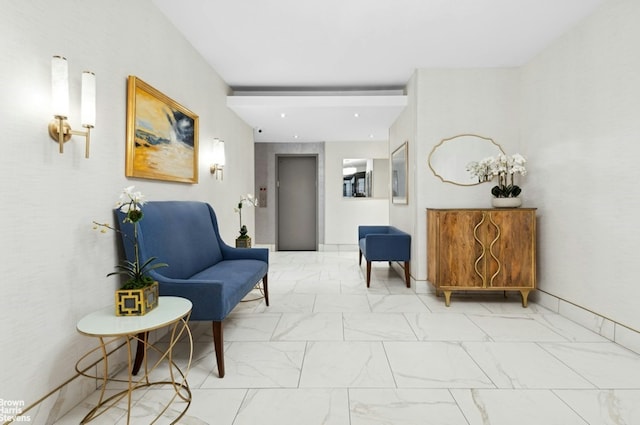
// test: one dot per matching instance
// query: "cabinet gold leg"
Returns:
(525, 294)
(447, 298)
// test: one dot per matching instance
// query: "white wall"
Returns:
(404, 129)
(344, 215)
(53, 263)
(581, 127)
(445, 103)
(573, 112)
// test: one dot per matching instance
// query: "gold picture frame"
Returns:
(162, 136)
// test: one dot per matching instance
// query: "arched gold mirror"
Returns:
(448, 160)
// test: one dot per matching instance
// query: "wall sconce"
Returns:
(218, 158)
(59, 128)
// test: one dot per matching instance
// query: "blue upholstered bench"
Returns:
(202, 268)
(384, 243)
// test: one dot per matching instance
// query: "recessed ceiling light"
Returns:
(356, 115)
(282, 115)
(371, 136)
(295, 136)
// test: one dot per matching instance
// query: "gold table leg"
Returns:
(177, 380)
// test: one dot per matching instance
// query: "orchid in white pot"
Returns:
(130, 204)
(502, 167)
(249, 200)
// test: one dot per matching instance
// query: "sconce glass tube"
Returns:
(88, 99)
(59, 129)
(60, 86)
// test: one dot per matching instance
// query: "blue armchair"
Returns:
(384, 243)
(202, 268)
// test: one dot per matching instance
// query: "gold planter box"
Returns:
(243, 243)
(136, 302)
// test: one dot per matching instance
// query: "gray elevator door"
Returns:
(297, 203)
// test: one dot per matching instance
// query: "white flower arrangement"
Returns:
(131, 204)
(245, 200)
(503, 167)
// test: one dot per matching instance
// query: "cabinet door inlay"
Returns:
(481, 250)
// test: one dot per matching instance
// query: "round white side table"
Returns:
(171, 312)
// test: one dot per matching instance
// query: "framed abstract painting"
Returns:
(162, 136)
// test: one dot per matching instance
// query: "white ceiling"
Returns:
(267, 48)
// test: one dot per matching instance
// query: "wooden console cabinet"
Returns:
(481, 250)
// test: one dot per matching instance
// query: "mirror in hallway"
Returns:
(449, 159)
(364, 178)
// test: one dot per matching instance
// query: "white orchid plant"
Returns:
(131, 204)
(249, 200)
(502, 167)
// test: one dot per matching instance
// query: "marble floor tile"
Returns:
(259, 365)
(377, 327)
(317, 286)
(434, 365)
(523, 365)
(291, 303)
(242, 327)
(570, 330)
(357, 286)
(396, 303)
(605, 364)
(403, 407)
(309, 327)
(510, 407)
(210, 406)
(465, 305)
(110, 416)
(342, 303)
(347, 364)
(513, 328)
(604, 407)
(344, 273)
(445, 327)
(294, 407)
(160, 406)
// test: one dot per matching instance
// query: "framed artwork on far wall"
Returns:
(399, 173)
(162, 136)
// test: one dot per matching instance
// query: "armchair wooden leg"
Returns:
(218, 345)
(360, 258)
(142, 341)
(407, 277)
(266, 290)
(368, 273)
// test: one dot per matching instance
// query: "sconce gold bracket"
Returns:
(215, 169)
(61, 137)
